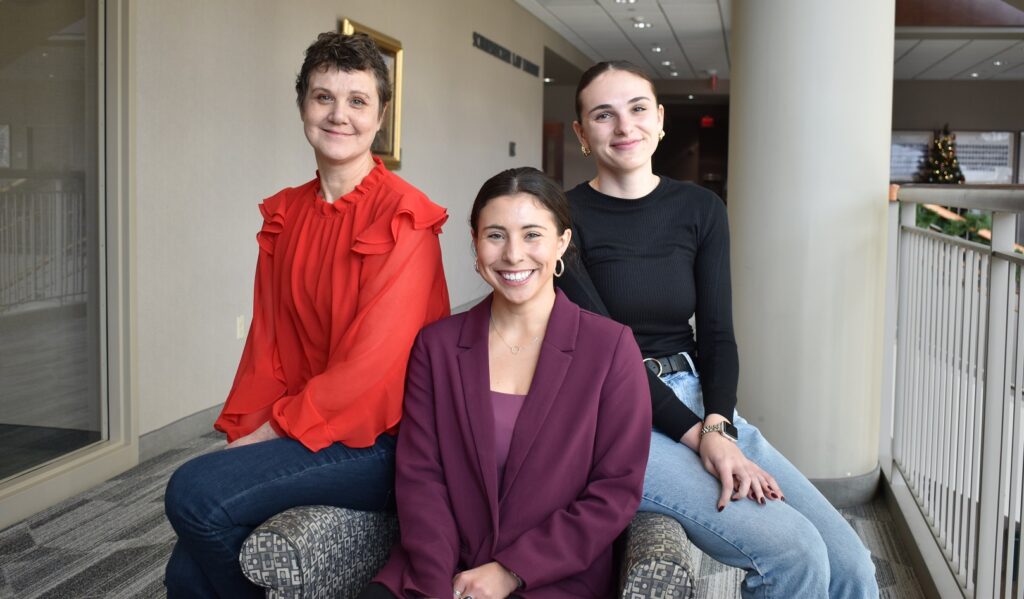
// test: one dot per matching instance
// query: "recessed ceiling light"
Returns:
(674, 73)
(625, 1)
(997, 63)
(640, 23)
(690, 97)
(45, 54)
(666, 63)
(975, 75)
(548, 80)
(655, 49)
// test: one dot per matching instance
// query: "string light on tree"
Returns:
(941, 166)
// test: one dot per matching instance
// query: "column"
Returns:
(810, 122)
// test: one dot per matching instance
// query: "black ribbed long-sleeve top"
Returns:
(652, 263)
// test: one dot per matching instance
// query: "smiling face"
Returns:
(517, 246)
(620, 121)
(341, 115)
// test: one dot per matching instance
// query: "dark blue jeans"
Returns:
(215, 500)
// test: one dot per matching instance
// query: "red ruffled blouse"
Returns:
(342, 289)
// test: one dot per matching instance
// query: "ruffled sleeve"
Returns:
(414, 210)
(272, 210)
(259, 380)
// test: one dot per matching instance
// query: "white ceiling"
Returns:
(694, 38)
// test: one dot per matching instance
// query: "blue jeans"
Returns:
(800, 548)
(215, 500)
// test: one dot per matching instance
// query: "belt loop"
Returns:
(689, 361)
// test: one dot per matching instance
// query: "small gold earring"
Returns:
(585, 150)
(661, 135)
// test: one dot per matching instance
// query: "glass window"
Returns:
(50, 365)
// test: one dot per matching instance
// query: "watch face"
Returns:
(730, 431)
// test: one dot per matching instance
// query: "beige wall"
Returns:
(965, 105)
(217, 130)
(559, 105)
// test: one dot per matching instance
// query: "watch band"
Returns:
(724, 428)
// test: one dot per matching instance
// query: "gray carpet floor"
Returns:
(113, 542)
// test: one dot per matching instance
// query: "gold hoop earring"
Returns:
(661, 135)
(559, 271)
(585, 150)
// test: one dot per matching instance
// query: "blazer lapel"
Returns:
(552, 365)
(474, 372)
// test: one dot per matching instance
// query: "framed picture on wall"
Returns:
(387, 145)
(908, 152)
(986, 156)
(5, 146)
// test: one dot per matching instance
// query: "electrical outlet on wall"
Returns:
(240, 326)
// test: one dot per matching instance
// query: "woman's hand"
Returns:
(264, 433)
(740, 477)
(489, 581)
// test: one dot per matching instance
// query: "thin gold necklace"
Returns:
(515, 349)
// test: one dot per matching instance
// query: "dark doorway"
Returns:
(696, 144)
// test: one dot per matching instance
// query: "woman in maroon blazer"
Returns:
(527, 423)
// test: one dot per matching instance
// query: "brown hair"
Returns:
(346, 53)
(609, 65)
(528, 180)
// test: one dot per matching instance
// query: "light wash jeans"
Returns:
(796, 549)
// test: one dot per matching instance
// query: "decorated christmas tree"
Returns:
(941, 166)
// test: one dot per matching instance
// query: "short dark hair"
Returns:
(609, 65)
(347, 53)
(528, 180)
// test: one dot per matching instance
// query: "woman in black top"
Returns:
(653, 253)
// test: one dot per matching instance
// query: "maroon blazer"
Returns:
(575, 466)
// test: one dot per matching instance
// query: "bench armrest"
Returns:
(314, 552)
(656, 559)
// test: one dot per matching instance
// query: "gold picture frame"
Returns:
(387, 145)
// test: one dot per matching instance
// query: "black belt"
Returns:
(668, 364)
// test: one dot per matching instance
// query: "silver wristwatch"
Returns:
(725, 428)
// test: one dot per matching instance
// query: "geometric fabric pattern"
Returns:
(656, 561)
(113, 541)
(318, 552)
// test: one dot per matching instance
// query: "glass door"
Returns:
(50, 301)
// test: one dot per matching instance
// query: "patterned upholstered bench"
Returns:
(316, 552)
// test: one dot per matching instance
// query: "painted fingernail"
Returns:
(721, 507)
(761, 500)
(775, 496)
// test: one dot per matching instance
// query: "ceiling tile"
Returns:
(1011, 58)
(967, 56)
(903, 46)
(1016, 72)
(925, 55)
(694, 35)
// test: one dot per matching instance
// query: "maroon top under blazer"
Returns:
(575, 467)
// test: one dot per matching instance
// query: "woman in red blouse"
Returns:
(349, 270)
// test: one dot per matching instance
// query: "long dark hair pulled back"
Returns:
(528, 180)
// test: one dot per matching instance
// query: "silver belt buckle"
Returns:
(661, 369)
